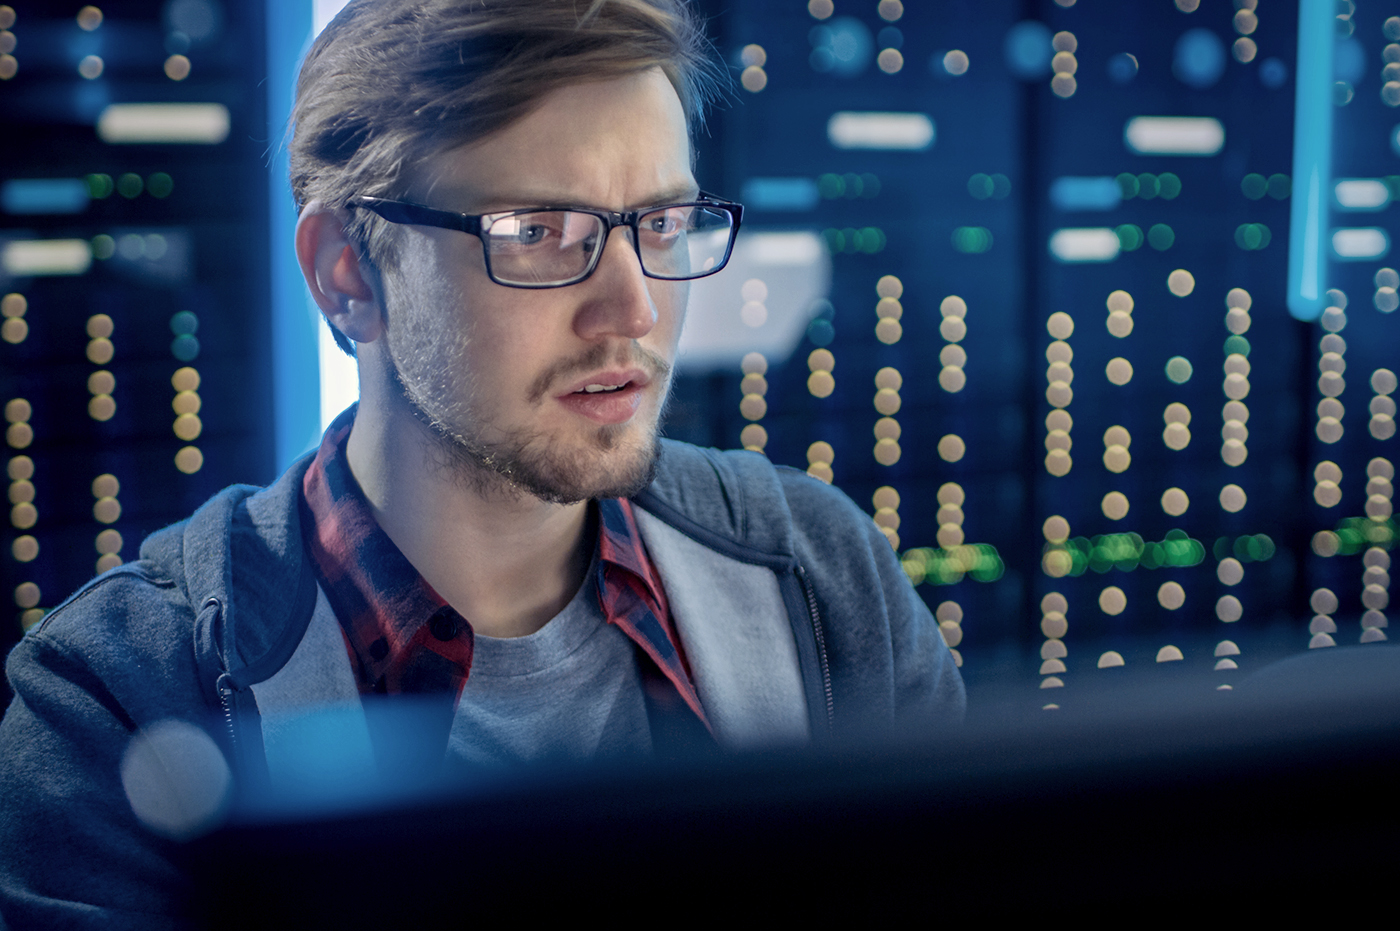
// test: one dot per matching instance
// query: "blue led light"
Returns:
(1198, 60)
(780, 194)
(1349, 63)
(1273, 73)
(842, 45)
(44, 195)
(1122, 68)
(1028, 50)
(1070, 193)
(1312, 161)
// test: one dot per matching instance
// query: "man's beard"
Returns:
(525, 462)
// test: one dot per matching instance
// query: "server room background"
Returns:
(1088, 304)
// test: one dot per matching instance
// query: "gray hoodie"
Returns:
(796, 618)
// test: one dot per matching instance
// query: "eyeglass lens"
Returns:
(554, 246)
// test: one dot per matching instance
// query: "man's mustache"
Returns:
(599, 357)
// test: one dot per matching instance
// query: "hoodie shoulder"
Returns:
(735, 495)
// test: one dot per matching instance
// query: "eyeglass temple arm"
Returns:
(416, 214)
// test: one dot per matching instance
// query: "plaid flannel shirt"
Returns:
(401, 635)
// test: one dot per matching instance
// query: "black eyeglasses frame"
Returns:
(411, 214)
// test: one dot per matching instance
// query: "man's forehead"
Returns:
(619, 142)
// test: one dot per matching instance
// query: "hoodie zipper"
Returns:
(815, 616)
(225, 688)
(224, 683)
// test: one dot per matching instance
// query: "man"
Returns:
(499, 216)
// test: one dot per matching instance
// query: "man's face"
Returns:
(503, 374)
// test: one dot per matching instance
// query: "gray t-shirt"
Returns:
(570, 690)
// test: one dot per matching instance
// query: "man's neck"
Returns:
(504, 559)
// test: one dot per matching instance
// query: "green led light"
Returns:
(1128, 185)
(1178, 370)
(100, 186)
(972, 239)
(1358, 533)
(1280, 186)
(1254, 186)
(1130, 237)
(869, 240)
(160, 184)
(1169, 185)
(1147, 186)
(1237, 345)
(130, 185)
(1160, 237)
(1257, 548)
(184, 323)
(1121, 551)
(1260, 547)
(1181, 550)
(979, 561)
(103, 246)
(185, 348)
(1128, 551)
(1252, 236)
(831, 186)
(1001, 186)
(870, 185)
(821, 332)
(980, 186)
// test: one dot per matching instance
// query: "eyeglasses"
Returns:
(550, 247)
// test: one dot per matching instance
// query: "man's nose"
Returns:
(619, 303)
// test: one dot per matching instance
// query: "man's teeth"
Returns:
(594, 389)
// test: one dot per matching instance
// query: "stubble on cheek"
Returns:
(477, 451)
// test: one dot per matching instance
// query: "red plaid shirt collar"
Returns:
(403, 637)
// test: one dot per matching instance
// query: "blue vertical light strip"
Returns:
(295, 371)
(1312, 159)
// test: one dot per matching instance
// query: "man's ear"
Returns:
(332, 269)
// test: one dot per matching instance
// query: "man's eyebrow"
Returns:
(687, 193)
(522, 199)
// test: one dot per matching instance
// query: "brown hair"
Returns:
(391, 82)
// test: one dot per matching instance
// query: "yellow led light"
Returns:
(189, 460)
(885, 497)
(107, 510)
(750, 384)
(1112, 600)
(188, 426)
(106, 486)
(1181, 282)
(753, 437)
(887, 452)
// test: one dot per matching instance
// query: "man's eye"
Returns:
(532, 234)
(665, 224)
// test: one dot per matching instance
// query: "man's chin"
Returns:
(617, 472)
(609, 465)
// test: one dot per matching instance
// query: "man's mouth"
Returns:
(608, 382)
(607, 397)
